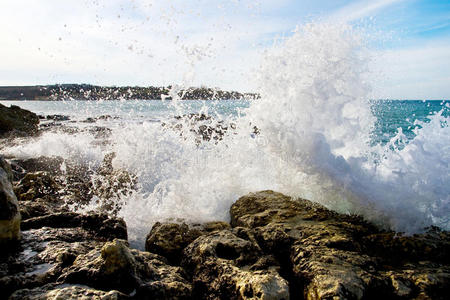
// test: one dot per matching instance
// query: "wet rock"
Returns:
(225, 266)
(100, 225)
(51, 165)
(37, 185)
(327, 255)
(58, 117)
(110, 185)
(40, 207)
(7, 168)
(9, 208)
(57, 292)
(128, 270)
(89, 120)
(170, 239)
(100, 132)
(204, 127)
(52, 246)
(17, 121)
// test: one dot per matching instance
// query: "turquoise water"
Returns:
(390, 114)
(394, 114)
(318, 152)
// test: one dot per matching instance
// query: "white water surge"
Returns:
(315, 125)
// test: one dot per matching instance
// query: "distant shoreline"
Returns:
(60, 92)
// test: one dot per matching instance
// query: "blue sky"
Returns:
(212, 42)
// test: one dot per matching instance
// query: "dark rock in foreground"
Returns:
(276, 247)
(9, 207)
(14, 120)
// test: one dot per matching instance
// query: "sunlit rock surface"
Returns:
(275, 247)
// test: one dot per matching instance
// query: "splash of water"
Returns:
(314, 125)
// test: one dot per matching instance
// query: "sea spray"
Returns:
(314, 124)
(308, 136)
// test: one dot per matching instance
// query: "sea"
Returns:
(314, 134)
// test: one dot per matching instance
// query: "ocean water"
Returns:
(318, 137)
(390, 114)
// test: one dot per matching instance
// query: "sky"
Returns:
(214, 43)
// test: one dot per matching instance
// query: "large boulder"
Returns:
(230, 265)
(170, 239)
(115, 266)
(326, 255)
(14, 120)
(9, 207)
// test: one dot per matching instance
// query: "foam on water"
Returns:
(314, 142)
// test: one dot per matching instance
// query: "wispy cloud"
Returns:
(361, 9)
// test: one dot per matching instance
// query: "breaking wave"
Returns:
(311, 140)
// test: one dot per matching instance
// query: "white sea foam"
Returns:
(315, 124)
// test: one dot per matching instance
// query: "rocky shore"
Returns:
(273, 247)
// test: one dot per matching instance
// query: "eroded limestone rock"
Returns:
(225, 266)
(115, 266)
(326, 255)
(170, 239)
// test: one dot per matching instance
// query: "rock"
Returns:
(203, 127)
(13, 119)
(52, 292)
(7, 168)
(116, 266)
(51, 165)
(110, 185)
(225, 266)
(170, 239)
(37, 185)
(47, 250)
(327, 255)
(40, 207)
(58, 117)
(99, 225)
(9, 208)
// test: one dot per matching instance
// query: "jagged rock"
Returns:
(100, 225)
(203, 127)
(52, 292)
(110, 185)
(128, 270)
(45, 252)
(7, 168)
(328, 255)
(225, 266)
(14, 120)
(169, 239)
(58, 117)
(37, 185)
(40, 207)
(51, 165)
(9, 208)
